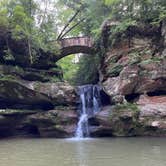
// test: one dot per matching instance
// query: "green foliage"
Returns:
(124, 25)
(21, 23)
(69, 68)
(8, 55)
(31, 24)
(85, 71)
(110, 2)
(38, 23)
(94, 13)
(115, 70)
(88, 70)
(117, 32)
(128, 106)
(4, 22)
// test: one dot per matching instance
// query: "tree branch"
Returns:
(72, 27)
(61, 34)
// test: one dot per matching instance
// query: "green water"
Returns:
(90, 152)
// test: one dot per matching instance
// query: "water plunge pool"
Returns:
(83, 152)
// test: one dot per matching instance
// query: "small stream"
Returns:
(89, 105)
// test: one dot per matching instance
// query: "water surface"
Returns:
(89, 152)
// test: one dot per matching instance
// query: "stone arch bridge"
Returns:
(75, 45)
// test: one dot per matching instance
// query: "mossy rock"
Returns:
(14, 112)
(31, 74)
(124, 119)
(115, 70)
(15, 95)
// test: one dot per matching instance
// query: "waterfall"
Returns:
(89, 105)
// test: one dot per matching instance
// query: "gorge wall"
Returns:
(133, 75)
(35, 101)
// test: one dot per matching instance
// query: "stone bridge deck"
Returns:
(76, 41)
(76, 45)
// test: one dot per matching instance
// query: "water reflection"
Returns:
(81, 154)
(88, 152)
(156, 150)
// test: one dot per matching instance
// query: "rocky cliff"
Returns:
(133, 75)
(35, 106)
(34, 100)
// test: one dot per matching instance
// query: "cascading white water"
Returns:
(90, 104)
(96, 99)
(82, 126)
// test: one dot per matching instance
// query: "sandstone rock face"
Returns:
(116, 121)
(135, 72)
(15, 95)
(55, 123)
(32, 103)
(60, 123)
(135, 68)
(146, 118)
(30, 74)
(163, 32)
(60, 93)
(153, 114)
(139, 78)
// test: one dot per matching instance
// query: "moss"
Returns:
(114, 58)
(55, 79)
(128, 106)
(7, 77)
(115, 70)
(124, 119)
(152, 60)
(59, 127)
(16, 112)
(64, 108)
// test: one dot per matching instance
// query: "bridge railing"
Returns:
(76, 41)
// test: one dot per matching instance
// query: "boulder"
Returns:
(146, 118)
(137, 80)
(137, 65)
(55, 123)
(60, 93)
(116, 121)
(100, 125)
(15, 95)
(59, 123)
(153, 115)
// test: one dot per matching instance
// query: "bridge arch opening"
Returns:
(79, 69)
(75, 45)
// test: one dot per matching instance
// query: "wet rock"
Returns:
(146, 118)
(55, 123)
(115, 121)
(153, 115)
(102, 126)
(59, 123)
